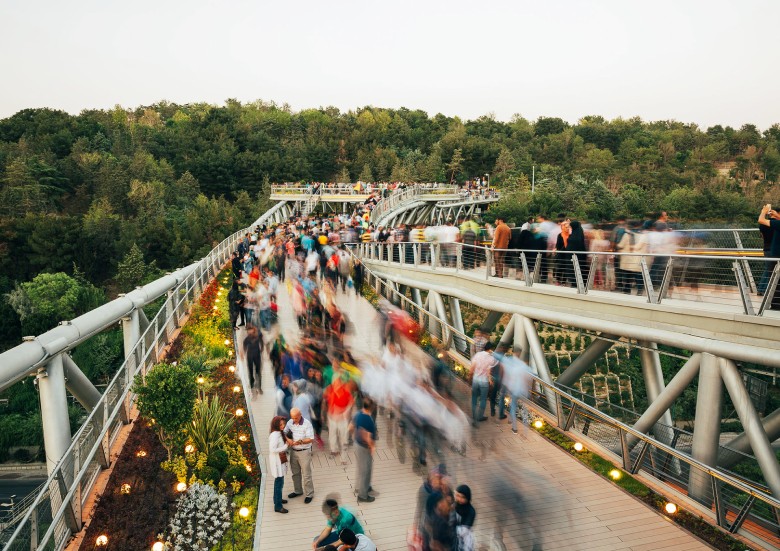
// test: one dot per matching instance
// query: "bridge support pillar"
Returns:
(131, 332)
(706, 432)
(759, 441)
(539, 361)
(741, 443)
(585, 361)
(457, 322)
(520, 340)
(54, 411)
(654, 383)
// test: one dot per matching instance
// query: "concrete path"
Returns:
(521, 484)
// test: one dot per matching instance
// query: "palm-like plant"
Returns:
(210, 425)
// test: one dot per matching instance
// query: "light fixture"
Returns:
(124, 488)
(201, 380)
(232, 369)
(670, 508)
(236, 388)
(239, 412)
(216, 301)
(242, 438)
(101, 541)
(243, 512)
(181, 486)
(230, 352)
(215, 307)
(158, 546)
(615, 474)
(578, 447)
(538, 423)
(227, 341)
(189, 448)
(140, 453)
(249, 468)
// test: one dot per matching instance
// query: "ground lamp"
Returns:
(101, 541)
(578, 447)
(239, 412)
(181, 487)
(670, 508)
(538, 423)
(615, 474)
(158, 546)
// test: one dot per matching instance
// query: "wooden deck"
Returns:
(521, 485)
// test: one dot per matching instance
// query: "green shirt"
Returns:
(345, 520)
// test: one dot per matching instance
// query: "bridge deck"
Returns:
(529, 487)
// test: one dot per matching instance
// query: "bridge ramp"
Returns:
(524, 484)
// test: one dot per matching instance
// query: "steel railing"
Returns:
(56, 511)
(736, 505)
(748, 284)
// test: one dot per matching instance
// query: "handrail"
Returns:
(750, 280)
(556, 410)
(76, 464)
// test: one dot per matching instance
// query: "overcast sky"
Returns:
(708, 62)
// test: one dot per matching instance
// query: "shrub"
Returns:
(218, 459)
(202, 518)
(208, 474)
(210, 425)
(236, 472)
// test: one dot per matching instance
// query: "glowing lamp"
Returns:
(158, 546)
(538, 423)
(242, 438)
(232, 369)
(236, 388)
(249, 468)
(201, 380)
(101, 541)
(215, 307)
(578, 447)
(243, 512)
(124, 488)
(227, 341)
(216, 301)
(615, 474)
(181, 487)
(670, 508)
(140, 453)
(239, 412)
(189, 448)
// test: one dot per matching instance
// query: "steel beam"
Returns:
(706, 432)
(741, 443)
(540, 362)
(759, 441)
(457, 322)
(54, 411)
(585, 360)
(509, 333)
(668, 395)
(654, 383)
(520, 346)
(79, 385)
(491, 320)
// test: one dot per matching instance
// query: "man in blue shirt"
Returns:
(365, 437)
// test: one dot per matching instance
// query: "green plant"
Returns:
(166, 398)
(237, 473)
(234, 451)
(218, 459)
(209, 475)
(210, 425)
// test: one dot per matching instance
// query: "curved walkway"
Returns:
(522, 483)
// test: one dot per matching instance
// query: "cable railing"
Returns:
(55, 513)
(747, 284)
(736, 505)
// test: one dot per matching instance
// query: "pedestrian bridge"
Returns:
(705, 313)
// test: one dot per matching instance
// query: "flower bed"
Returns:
(194, 436)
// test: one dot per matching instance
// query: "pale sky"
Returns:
(708, 62)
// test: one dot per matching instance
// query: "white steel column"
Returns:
(54, 411)
(759, 441)
(706, 431)
(540, 362)
(654, 383)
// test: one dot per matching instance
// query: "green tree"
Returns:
(132, 270)
(366, 175)
(505, 166)
(455, 165)
(166, 397)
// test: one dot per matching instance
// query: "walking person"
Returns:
(482, 364)
(501, 238)
(364, 429)
(300, 435)
(252, 348)
(277, 461)
(236, 308)
(338, 401)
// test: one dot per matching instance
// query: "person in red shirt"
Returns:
(338, 401)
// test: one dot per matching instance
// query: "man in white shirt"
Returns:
(482, 365)
(299, 434)
(358, 542)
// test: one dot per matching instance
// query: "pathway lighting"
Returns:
(124, 488)
(181, 487)
(242, 438)
(236, 388)
(189, 448)
(140, 453)
(101, 541)
(578, 447)
(227, 341)
(232, 369)
(243, 512)
(249, 468)
(615, 474)
(670, 508)
(201, 380)
(538, 423)
(239, 412)
(158, 546)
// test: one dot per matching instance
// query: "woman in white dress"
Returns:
(277, 460)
